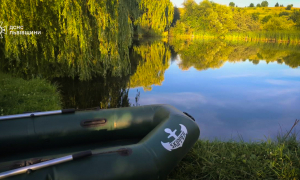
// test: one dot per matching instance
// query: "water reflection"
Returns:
(213, 54)
(109, 92)
(230, 88)
(152, 62)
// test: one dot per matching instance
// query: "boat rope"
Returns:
(189, 116)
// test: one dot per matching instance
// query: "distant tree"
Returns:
(266, 19)
(255, 16)
(281, 5)
(231, 4)
(258, 5)
(289, 7)
(284, 13)
(251, 5)
(264, 4)
(278, 23)
(295, 16)
(277, 5)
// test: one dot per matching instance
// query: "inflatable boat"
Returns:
(143, 142)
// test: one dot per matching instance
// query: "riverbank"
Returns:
(18, 95)
(284, 37)
(271, 159)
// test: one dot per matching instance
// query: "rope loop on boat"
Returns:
(189, 116)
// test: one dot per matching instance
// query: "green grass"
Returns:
(271, 159)
(18, 95)
(266, 36)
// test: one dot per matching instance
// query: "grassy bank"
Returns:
(292, 37)
(277, 159)
(18, 95)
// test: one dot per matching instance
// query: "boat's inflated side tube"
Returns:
(152, 158)
(34, 133)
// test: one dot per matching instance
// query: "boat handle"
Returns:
(93, 122)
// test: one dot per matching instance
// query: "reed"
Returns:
(266, 36)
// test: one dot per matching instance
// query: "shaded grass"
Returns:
(18, 95)
(271, 159)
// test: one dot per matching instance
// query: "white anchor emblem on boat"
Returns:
(178, 141)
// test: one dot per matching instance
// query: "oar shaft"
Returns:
(35, 166)
(33, 114)
(45, 164)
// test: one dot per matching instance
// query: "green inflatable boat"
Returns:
(140, 143)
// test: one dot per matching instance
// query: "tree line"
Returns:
(209, 18)
(263, 4)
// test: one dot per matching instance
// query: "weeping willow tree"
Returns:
(156, 17)
(84, 37)
(153, 60)
(78, 38)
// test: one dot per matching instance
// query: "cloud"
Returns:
(280, 82)
(242, 75)
(187, 99)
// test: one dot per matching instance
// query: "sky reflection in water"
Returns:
(253, 101)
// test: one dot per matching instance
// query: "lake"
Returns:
(234, 90)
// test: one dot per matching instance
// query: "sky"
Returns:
(244, 3)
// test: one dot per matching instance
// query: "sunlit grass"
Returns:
(273, 36)
(270, 159)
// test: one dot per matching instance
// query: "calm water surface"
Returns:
(233, 90)
(237, 99)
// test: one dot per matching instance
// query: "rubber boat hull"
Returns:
(144, 142)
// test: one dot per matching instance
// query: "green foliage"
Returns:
(244, 22)
(211, 18)
(86, 38)
(251, 5)
(284, 13)
(289, 7)
(231, 4)
(295, 17)
(266, 19)
(255, 16)
(19, 96)
(258, 5)
(277, 5)
(156, 16)
(278, 23)
(264, 4)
